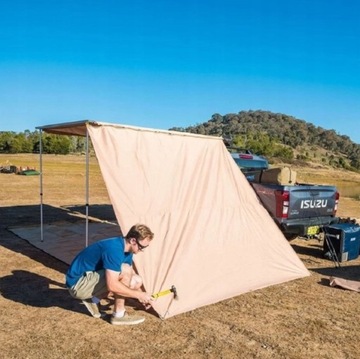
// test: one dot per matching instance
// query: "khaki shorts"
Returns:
(89, 285)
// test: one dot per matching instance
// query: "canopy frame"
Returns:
(59, 129)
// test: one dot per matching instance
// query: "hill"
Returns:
(281, 136)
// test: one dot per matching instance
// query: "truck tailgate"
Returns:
(304, 200)
(312, 201)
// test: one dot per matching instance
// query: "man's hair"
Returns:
(139, 232)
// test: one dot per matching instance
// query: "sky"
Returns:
(163, 64)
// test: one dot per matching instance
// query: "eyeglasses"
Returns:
(141, 247)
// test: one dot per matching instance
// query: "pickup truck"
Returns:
(298, 209)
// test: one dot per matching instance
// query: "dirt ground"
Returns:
(305, 318)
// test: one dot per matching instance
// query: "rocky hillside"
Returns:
(277, 135)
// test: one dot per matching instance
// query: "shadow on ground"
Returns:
(313, 250)
(13, 216)
(349, 272)
(37, 291)
(30, 288)
(313, 253)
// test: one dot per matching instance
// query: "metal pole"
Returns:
(87, 190)
(41, 192)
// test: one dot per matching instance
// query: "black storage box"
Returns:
(344, 238)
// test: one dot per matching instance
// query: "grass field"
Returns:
(64, 182)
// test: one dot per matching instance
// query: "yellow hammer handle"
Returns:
(160, 294)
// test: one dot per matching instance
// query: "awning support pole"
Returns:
(87, 190)
(41, 192)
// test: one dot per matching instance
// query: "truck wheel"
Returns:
(290, 236)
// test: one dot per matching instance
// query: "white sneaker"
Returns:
(126, 320)
(93, 309)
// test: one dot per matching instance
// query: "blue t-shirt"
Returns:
(105, 254)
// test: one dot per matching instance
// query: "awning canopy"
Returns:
(79, 128)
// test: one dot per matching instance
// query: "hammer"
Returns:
(165, 292)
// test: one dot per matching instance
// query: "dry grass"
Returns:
(64, 180)
(305, 318)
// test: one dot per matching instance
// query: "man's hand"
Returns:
(145, 299)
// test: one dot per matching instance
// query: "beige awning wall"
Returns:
(213, 239)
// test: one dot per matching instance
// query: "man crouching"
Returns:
(106, 267)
